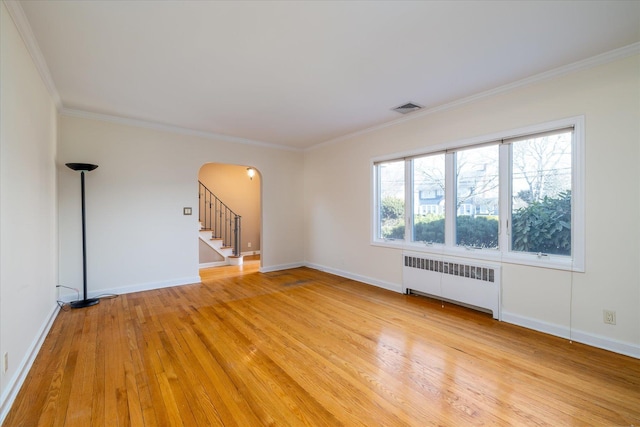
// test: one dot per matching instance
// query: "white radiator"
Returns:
(470, 283)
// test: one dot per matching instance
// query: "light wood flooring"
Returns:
(301, 347)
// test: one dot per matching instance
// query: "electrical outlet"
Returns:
(5, 363)
(609, 317)
(249, 244)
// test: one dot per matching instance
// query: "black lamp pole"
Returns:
(82, 167)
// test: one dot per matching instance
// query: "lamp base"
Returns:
(84, 303)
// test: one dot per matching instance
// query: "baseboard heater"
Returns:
(462, 281)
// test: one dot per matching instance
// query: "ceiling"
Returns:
(297, 74)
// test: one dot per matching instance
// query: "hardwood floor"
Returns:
(301, 347)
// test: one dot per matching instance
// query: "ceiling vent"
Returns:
(407, 108)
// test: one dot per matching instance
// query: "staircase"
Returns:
(220, 227)
(217, 244)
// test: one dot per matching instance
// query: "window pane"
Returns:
(428, 199)
(477, 196)
(541, 194)
(391, 185)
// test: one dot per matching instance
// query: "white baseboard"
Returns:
(135, 288)
(364, 279)
(271, 268)
(213, 264)
(605, 343)
(15, 383)
(535, 324)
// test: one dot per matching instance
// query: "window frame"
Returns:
(574, 262)
(377, 204)
(409, 213)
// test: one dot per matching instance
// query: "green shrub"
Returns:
(471, 231)
(396, 232)
(392, 208)
(429, 228)
(480, 231)
(392, 216)
(544, 226)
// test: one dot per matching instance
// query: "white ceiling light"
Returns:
(251, 172)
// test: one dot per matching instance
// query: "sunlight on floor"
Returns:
(251, 264)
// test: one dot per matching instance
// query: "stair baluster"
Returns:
(216, 216)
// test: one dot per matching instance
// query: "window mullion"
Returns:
(450, 200)
(377, 196)
(408, 197)
(504, 243)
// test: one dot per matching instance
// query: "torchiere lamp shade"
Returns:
(81, 166)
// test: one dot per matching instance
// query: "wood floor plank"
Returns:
(99, 385)
(87, 375)
(275, 381)
(47, 378)
(301, 347)
(346, 371)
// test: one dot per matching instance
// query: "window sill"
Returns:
(555, 262)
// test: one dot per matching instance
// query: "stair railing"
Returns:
(216, 216)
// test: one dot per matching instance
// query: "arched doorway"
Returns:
(235, 188)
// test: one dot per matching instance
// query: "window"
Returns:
(428, 208)
(541, 193)
(504, 197)
(477, 197)
(391, 200)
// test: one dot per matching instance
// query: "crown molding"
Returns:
(604, 58)
(24, 29)
(83, 114)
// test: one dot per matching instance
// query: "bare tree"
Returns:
(431, 169)
(542, 165)
(477, 174)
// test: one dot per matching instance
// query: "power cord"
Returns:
(65, 306)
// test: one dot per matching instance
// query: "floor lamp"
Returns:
(85, 302)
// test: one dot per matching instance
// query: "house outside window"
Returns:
(428, 181)
(477, 187)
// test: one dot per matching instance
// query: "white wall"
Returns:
(137, 236)
(338, 201)
(28, 238)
